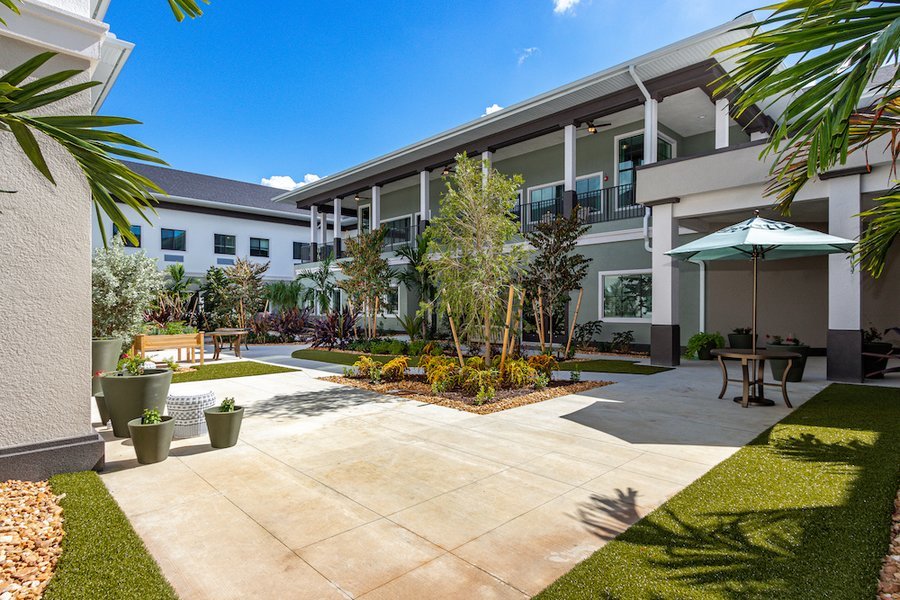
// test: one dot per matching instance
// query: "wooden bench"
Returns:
(183, 341)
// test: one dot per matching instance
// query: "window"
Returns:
(259, 247)
(594, 183)
(397, 232)
(391, 301)
(364, 217)
(173, 239)
(542, 201)
(224, 244)
(626, 296)
(135, 230)
(630, 154)
(301, 251)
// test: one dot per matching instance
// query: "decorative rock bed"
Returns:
(31, 533)
(889, 585)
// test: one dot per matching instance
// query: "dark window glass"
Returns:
(259, 247)
(173, 239)
(224, 244)
(136, 230)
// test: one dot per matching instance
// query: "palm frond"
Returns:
(190, 8)
(11, 5)
(882, 228)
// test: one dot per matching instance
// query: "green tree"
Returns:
(555, 268)
(218, 309)
(821, 56)
(467, 253)
(179, 284)
(368, 274)
(246, 290)
(319, 286)
(284, 295)
(417, 278)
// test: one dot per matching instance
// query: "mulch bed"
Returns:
(416, 388)
(31, 533)
(889, 584)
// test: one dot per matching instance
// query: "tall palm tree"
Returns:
(416, 277)
(320, 289)
(179, 283)
(284, 295)
(822, 56)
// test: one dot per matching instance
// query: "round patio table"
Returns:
(219, 337)
(753, 369)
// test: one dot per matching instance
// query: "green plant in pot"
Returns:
(224, 423)
(151, 435)
(791, 344)
(741, 338)
(872, 344)
(702, 343)
(133, 389)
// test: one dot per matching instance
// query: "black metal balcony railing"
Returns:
(608, 204)
(397, 236)
(302, 252)
(325, 250)
(532, 213)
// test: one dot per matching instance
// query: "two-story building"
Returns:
(651, 158)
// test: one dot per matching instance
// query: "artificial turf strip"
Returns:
(226, 370)
(803, 511)
(102, 556)
(345, 358)
(611, 365)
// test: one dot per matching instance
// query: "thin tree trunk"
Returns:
(462, 363)
(509, 307)
(574, 320)
(487, 337)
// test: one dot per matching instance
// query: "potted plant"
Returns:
(872, 344)
(133, 389)
(152, 436)
(702, 343)
(105, 353)
(224, 423)
(792, 344)
(740, 337)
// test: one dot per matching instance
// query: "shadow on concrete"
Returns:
(307, 404)
(607, 517)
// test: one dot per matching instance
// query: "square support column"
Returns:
(651, 131)
(376, 207)
(313, 233)
(338, 234)
(486, 158)
(723, 122)
(844, 362)
(569, 172)
(424, 200)
(665, 332)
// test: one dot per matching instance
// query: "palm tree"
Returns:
(417, 278)
(179, 283)
(822, 56)
(85, 137)
(284, 295)
(322, 285)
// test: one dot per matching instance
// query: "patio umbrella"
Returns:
(761, 239)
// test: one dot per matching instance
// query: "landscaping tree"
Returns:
(319, 286)
(417, 278)
(284, 295)
(218, 310)
(179, 284)
(467, 253)
(368, 275)
(822, 57)
(124, 285)
(246, 290)
(555, 268)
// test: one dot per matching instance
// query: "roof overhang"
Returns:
(113, 55)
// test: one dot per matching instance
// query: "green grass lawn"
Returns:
(226, 370)
(803, 511)
(344, 358)
(611, 365)
(102, 556)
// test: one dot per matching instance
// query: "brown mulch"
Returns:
(889, 583)
(31, 532)
(416, 388)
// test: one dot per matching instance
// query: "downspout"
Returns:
(647, 210)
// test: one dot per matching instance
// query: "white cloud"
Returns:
(491, 109)
(563, 6)
(286, 182)
(528, 53)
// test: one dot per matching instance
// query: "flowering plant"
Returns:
(787, 341)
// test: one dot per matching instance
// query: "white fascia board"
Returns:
(56, 30)
(99, 8)
(304, 217)
(113, 55)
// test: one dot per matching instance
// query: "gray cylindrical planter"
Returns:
(127, 396)
(778, 365)
(740, 340)
(101, 407)
(105, 354)
(223, 427)
(151, 442)
(705, 352)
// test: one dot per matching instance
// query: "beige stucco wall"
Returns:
(45, 301)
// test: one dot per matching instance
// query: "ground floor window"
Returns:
(626, 296)
(173, 239)
(259, 247)
(390, 304)
(224, 244)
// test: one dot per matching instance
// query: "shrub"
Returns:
(380, 347)
(363, 346)
(544, 364)
(476, 362)
(432, 349)
(350, 372)
(335, 329)
(622, 341)
(151, 417)
(416, 348)
(584, 333)
(365, 365)
(703, 340)
(472, 381)
(541, 382)
(398, 347)
(444, 378)
(485, 395)
(517, 374)
(227, 405)
(395, 369)
(575, 375)
(133, 363)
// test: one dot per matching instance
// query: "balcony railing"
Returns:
(304, 254)
(397, 236)
(608, 204)
(532, 213)
(325, 250)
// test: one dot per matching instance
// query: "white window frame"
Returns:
(394, 284)
(630, 134)
(601, 289)
(561, 182)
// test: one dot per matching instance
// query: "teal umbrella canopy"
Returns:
(764, 239)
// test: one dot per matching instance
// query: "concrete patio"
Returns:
(337, 492)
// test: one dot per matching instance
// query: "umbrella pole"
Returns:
(755, 285)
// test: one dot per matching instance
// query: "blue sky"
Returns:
(305, 89)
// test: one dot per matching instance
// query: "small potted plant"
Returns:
(702, 343)
(740, 337)
(872, 344)
(133, 389)
(778, 365)
(151, 435)
(224, 423)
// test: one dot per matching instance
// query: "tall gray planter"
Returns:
(798, 365)
(127, 396)
(105, 354)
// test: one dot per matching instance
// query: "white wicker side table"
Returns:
(187, 412)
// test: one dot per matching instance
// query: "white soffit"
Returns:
(57, 30)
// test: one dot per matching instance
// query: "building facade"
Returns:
(650, 158)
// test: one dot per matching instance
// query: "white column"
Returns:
(425, 195)
(569, 175)
(665, 268)
(337, 219)
(844, 291)
(651, 131)
(376, 207)
(486, 158)
(323, 232)
(723, 122)
(313, 223)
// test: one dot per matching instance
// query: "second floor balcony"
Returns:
(599, 206)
